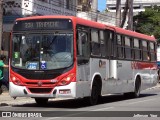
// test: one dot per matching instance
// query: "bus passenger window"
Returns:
(82, 44)
(110, 43)
(120, 46)
(137, 50)
(145, 55)
(95, 44)
(152, 52)
(103, 43)
(127, 48)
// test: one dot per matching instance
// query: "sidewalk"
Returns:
(157, 86)
(6, 100)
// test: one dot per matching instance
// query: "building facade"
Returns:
(39, 7)
(20, 8)
(138, 5)
(87, 9)
(13, 9)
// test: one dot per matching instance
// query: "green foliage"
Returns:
(148, 22)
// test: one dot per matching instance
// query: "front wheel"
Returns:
(95, 94)
(41, 101)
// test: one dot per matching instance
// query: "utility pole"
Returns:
(124, 15)
(1, 22)
(118, 13)
(130, 15)
(94, 9)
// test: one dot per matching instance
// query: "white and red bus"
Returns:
(69, 57)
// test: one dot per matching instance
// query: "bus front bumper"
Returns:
(68, 91)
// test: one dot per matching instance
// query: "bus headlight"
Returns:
(67, 79)
(16, 81)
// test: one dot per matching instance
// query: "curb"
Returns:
(157, 86)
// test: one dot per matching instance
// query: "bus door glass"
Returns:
(83, 53)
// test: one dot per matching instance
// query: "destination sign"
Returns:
(43, 24)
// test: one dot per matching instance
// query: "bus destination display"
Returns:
(48, 24)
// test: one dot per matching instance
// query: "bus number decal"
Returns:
(32, 66)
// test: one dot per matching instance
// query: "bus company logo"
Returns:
(6, 114)
(102, 63)
(39, 83)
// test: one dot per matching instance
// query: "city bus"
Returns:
(158, 60)
(70, 58)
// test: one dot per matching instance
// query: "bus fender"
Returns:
(96, 75)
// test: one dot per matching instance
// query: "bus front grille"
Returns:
(40, 90)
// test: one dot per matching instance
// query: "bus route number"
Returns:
(28, 25)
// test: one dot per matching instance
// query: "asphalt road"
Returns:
(113, 107)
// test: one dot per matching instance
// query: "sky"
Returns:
(101, 5)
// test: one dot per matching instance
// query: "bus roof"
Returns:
(132, 33)
(94, 24)
(76, 20)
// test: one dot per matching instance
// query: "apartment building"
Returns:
(138, 5)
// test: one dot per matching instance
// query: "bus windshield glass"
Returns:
(37, 51)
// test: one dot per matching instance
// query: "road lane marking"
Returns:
(141, 101)
(70, 115)
(102, 109)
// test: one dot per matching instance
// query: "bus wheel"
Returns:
(41, 101)
(136, 92)
(137, 88)
(95, 93)
(158, 76)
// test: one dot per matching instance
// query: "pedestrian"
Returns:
(2, 66)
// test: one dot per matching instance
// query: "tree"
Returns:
(148, 22)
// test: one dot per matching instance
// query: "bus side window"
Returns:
(137, 50)
(127, 47)
(82, 47)
(103, 43)
(152, 51)
(110, 43)
(145, 54)
(120, 46)
(82, 44)
(95, 43)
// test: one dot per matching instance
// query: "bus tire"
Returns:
(137, 88)
(159, 76)
(41, 101)
(95, 92)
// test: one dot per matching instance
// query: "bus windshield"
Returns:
(42, 51)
